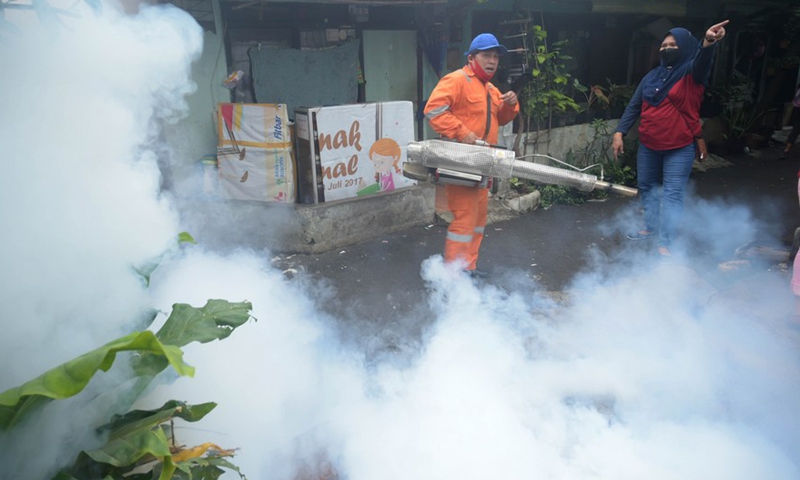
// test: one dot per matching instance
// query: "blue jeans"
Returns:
(662, 176)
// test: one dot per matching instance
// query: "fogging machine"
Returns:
(448, 162)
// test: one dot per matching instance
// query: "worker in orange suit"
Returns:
(466, 107)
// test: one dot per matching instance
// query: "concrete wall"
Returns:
(298, 228)
(558, 142)
(196, 135)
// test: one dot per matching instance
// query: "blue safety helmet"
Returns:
(485, 41)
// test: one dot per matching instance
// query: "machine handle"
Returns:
(484, 143)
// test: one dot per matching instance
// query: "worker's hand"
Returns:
(715, 33)
(617, 144)
(509, 98)
(470, 139)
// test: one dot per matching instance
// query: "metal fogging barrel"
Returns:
(495, 162)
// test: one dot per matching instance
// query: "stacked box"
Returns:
(256, 160)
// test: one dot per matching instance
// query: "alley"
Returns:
(376, 287)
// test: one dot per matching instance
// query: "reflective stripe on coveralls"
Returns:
(436, 112)
(465, 234)
(440, 110)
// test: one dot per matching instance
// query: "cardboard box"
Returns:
(265, 175)
(253, 125)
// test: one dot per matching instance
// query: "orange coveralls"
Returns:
(456, 107)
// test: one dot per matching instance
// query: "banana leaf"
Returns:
(216, 320)
(70, 378)
(138, 419)
(139, 444)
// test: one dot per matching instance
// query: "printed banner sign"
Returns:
(362, 147)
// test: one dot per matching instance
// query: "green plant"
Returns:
(547, 90)
(560, 195)
(614, 97)
(521, 185)
(596, 158)
(598, 152)
(140, 444)
(595, 96)
(619, 173)
(618, 97)
(738, 111)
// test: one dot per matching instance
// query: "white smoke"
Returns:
(640, 377)
(82, 96)
(80, 187)
(642, 373)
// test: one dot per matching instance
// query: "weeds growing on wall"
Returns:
(595, 154)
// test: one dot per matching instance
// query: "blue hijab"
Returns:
(661, 79)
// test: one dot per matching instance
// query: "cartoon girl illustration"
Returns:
(385, 153)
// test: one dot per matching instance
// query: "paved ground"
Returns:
(743, 218)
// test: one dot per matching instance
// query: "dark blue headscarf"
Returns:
(661, 79)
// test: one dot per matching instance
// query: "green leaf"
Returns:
(121, 425)
(167, 469)
(208, 468)
(214, 321)
(143, 433)
(70, 378)
(127, 449)
(146, 269)
(185, 237)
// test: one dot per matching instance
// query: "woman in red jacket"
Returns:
(668, 103)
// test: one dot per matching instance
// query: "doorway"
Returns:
(390, 66)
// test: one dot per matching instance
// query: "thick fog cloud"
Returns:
(82, 96)
(640, 373)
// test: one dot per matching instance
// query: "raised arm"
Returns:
(701, 70)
